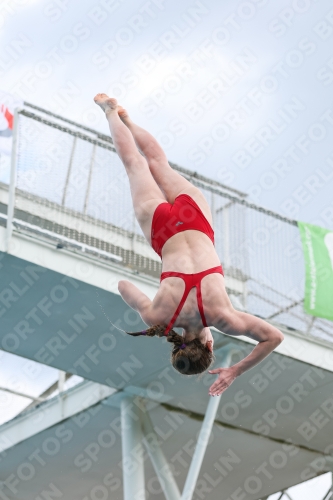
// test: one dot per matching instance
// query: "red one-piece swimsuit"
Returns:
(170, 219)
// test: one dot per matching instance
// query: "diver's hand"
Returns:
(226, 376)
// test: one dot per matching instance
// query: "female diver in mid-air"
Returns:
(176, 220)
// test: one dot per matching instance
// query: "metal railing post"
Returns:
(86, 199)
(69, 171)
(12, 182)
(226, 232)
(226, 237)
(213, 209)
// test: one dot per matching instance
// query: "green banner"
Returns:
(318, 253)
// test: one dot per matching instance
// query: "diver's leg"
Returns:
(146, 194)
(171, 182)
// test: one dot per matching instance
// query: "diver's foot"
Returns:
(123, 115)
(106, 103)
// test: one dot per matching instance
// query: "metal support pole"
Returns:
(161, 466)
(12, 182)
(131, 439)
(203, 438)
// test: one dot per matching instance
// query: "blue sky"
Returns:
(238, 91)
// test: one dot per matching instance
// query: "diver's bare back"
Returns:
(190, 252)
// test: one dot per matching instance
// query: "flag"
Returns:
(8, 103)
(318, 254)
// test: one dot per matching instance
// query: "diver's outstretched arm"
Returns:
(240, 323)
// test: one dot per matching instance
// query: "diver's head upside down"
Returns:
(190, 358)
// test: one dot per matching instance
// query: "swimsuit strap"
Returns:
(200, 304)
(191, 281)
(200, 276)
(187, 290)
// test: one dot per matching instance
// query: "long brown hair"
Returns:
(188, 358)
